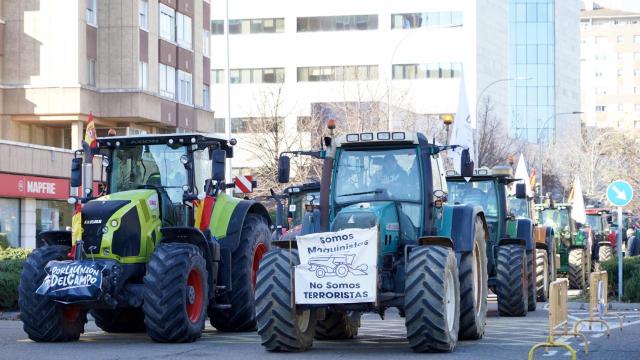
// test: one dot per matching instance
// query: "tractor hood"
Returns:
(113, 226)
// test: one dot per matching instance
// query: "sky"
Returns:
(629, 5)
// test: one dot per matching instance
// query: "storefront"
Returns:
(30, 205)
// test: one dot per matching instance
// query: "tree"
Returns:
(493, 145)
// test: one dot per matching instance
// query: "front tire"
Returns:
(542, 275)
(605, 253)
(473, 287)
(338, 325)
(280, 325)
(175, 293)
(126, 320)
(577, 268)
(511, 284)
(45, 320)
(255, 241)
(432, 299)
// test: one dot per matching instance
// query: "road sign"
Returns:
(244, 184)
(619, 193)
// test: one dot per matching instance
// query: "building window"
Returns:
(257, 76)
(636, 39)
(337, 23)
(636, 56)
(91, 72)
(598, 74)
(10, 220)
(620, 39)
(217, 27)
(206, 38)
(601, 56)
(428, 19)
(338, 73)
(205, 97)
(620, 56)
(52, 215)
(217, 76)
(636, 72)
(254, 124)
(636, 90)
(185, 33)
(185, 87)
(303, 124)
(601, 108)
(636, 107)
(218, 125)
(143, 14)
(91, 16)
(167, 81)
(427, 71)
(620, 72)
(636, 124)
(601, 91)
(256, 26)
(167, 23)
(621, 107)
(143, 75)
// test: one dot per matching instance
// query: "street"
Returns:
(505, 338)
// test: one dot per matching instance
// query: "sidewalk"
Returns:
(9, 315)
(612, 306)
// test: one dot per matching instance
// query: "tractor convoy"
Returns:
(159, 245)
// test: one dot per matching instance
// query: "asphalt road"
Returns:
(505, 338)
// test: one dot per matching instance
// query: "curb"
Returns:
(10, 315)
(612, 306)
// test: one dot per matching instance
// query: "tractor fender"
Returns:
(54, 237)
(234, 229)
(541, 235)
(524, 231)
(604, 243)
(460, 226)
(209, 247)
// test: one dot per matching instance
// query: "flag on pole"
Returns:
(462, 134)
(523, 175)
(575, 198)
(532, 179)
(90, 141)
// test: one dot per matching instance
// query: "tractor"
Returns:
(431, 260)
(511, 247)
(598, 224)
(160, 248)
(573, 246)
(522, 207)
(299, 202)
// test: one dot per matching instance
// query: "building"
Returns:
(406, 57)
(610, 67)
(139, 66)
(544, 49)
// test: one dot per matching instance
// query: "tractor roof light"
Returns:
(398, 136)
(451, 173)
(384, 136)
(502, 170)
(353, 137)
(482, 171)
(366, 136)
(331, 124)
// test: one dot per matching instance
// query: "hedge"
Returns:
(11, 261)
(630, 277)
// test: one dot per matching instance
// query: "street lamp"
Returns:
(493, 83)
(546, 126)
(447, 119)
(227, 120)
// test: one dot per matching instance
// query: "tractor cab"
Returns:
(598, 221)
(300, 199)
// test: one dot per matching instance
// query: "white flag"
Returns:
(462, 134)
(523, 174)
(577, 211)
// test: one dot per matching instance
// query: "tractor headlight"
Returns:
(114, 223)
(184, 159)
(105, 162)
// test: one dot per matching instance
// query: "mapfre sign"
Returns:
(33, 187)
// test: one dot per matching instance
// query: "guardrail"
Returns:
(598, 304)
(559, 316)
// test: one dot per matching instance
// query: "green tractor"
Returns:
(160, 248)
(511, 248)
(430, 256)
(573, 246)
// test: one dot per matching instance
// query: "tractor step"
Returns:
(221, 306)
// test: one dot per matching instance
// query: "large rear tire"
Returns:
(542, 275)
(280, 325)
(127, 320)
(255, 241)
(473, 287)
(531, 281)
(511, 284)
(45, 320)
(175, 293)
(432, 299)
(338, 325)
(577, 268)
(605, 253)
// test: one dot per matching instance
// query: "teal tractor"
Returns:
(158, 250)
(431, 260)
(511, 247)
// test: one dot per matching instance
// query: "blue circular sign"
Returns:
(619, 193)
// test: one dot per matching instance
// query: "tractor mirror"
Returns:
(466, 164)
(284, 169)
(76, 172)
(217, 164)
(521, 191)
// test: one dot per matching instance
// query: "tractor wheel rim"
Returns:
(450, 301)
(476, 273)
(258, 253)
(303, 320)
(195, 295)
(70, 313)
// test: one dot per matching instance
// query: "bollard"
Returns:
(559, 316)
(598, 302)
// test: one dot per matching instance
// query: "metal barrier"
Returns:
(559, 316)
(598, 304)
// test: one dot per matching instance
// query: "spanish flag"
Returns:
(90, 141)
(532, 179)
